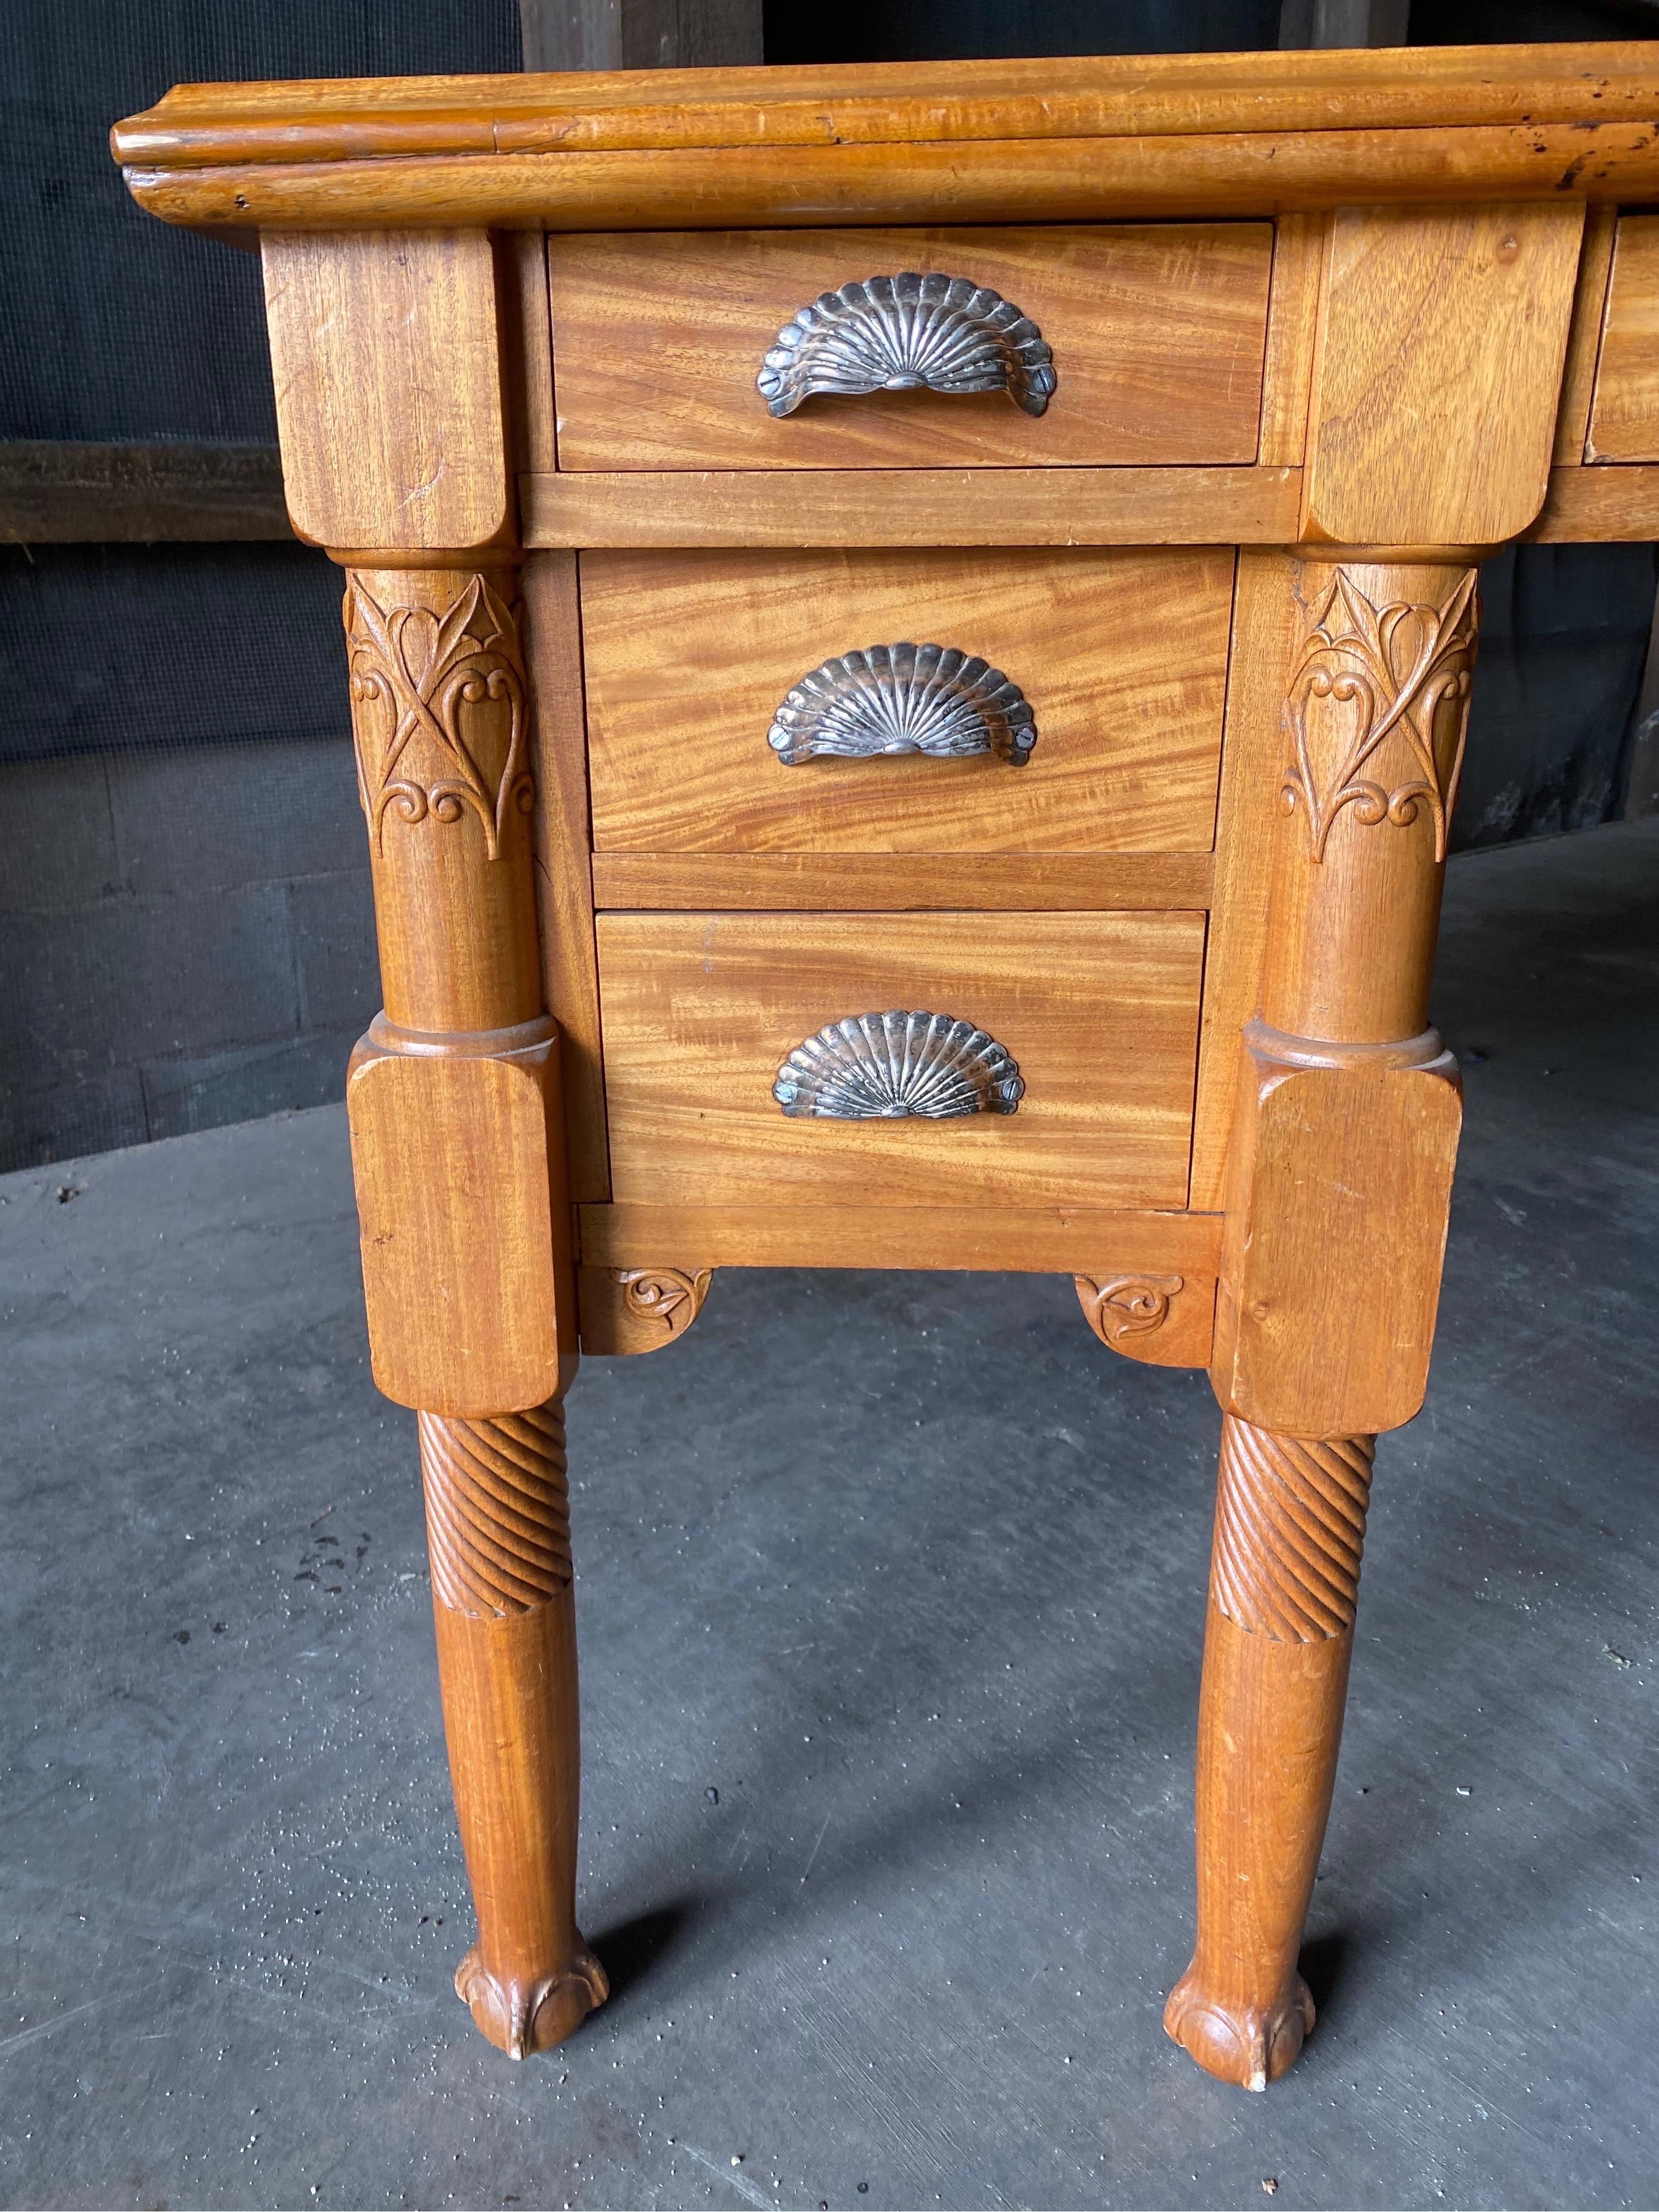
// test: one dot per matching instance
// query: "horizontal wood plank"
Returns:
(1609, 504)
(993, 180)
(77, 492)
(1025, 1240)
(900, 882)
(784, 508)
(1348, 89)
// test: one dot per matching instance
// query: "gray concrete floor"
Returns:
(891, 1589)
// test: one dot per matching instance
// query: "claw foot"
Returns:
(519, 2017)
(1249, 2045)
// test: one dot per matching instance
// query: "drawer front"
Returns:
(1121, 657)
(1155, 332)
(1099, 1012)
(1624, 423)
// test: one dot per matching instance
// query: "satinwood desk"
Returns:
(910, 633)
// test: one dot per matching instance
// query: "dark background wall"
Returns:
(185, 931)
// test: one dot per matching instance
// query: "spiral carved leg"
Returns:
(498, 1533)
(1283, 1579)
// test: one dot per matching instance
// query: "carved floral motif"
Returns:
(1368, 674)
(419, 682)
(1118, 1306)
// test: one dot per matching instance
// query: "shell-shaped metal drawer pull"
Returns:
(885, 1067)
(908, 333)
(904, 699)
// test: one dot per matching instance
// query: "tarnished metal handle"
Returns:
(904, 699)
(908, 333)
(887, 1067)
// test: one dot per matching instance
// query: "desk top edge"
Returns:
(1223, 96)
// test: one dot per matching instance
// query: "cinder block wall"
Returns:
(187, 938)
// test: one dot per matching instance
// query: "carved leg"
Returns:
(457, 1147)
(498, 1529)
(1340, 1159)
(1290, 1522)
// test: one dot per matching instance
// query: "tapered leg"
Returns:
(498, 1530)
(1339, 1163)
(1285, 1574)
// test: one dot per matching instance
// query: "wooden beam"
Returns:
(65, 492)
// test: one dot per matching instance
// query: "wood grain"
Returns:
(1122, 656)
(512, 1718)
(1623, 421)
(1301, 243)
(1443, 336)
(938, 506)
(388, 377)
(1338, 1201)
(460, 1200)
(1157, 332)
(1584, 338)
(1445, 89)
(561, 833)
(1062, 1240)
(1598, 506)
(904, 883)
(1270, 1724)
(1268, 622)
(1100, 1012)
(1241, 174)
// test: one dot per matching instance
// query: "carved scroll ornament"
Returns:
(1367, 676)
(438, 711)
(904, 699)
(668, 1296)
(908, 333)
(1119, 1306)
(885, 1067)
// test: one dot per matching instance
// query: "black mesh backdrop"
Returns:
(185, 921)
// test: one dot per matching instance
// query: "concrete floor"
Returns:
(890, 1595)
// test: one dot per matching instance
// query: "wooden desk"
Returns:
(910, 635)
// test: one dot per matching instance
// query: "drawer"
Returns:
(1121, 657)
(1624, 423)
(1156, 331)
(1099, 1011)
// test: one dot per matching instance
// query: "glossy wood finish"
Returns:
(1066, 1239)
(1201, 918)
(1340, 1178)
(743, 508)
(1445, 333)
(1624, 422)
(1100, 1010)
(1157, 333)
(418, 460)
(991, 142)
(1122, 656)
(904, 883)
